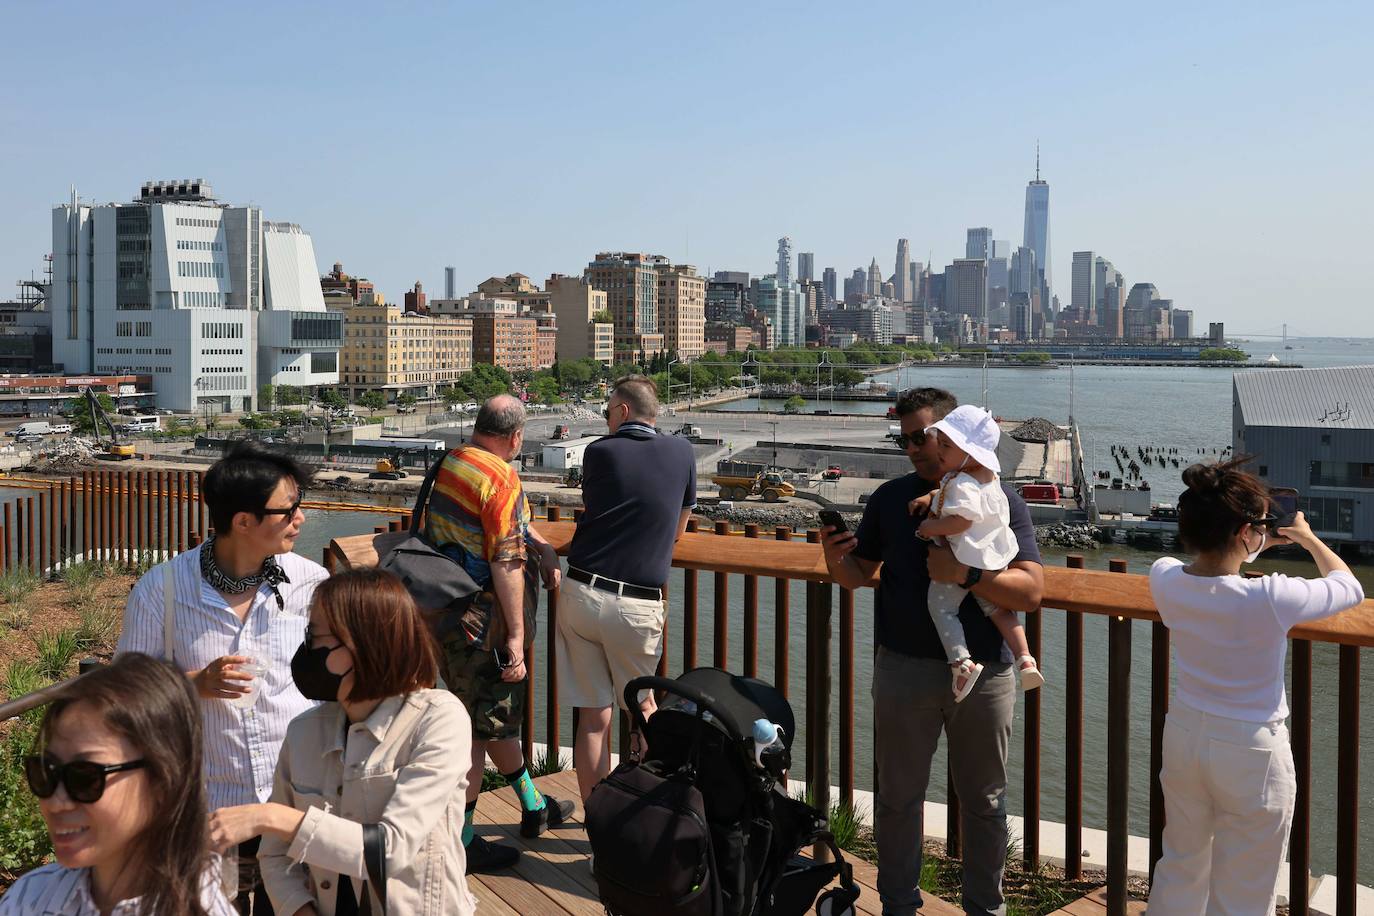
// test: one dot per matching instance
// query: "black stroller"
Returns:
(698, 827)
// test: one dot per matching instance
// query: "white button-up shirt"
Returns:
(241, 745)
(56, 891)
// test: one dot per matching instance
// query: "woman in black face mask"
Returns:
(370, 785)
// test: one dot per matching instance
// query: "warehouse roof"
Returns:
(1337, 398)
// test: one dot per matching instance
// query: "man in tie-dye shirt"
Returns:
(478, 515)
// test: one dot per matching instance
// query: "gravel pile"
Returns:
(1037, 429)
(768, 518)
(1069, 537)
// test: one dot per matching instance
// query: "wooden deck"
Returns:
(552, 876)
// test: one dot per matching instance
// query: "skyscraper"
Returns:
(1024, 276)
(1085, 294)
(979, 240)
(806, 266)
(902, 277)
(1037, 228)
(828, 282)
(784, 261)
(875, 279)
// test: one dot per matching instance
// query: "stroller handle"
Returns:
(704, 701)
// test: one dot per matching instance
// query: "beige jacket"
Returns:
(404, 767)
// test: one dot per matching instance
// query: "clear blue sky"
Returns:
(1220, 151)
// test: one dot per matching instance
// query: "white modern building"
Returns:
(210, 300)
(783, 305)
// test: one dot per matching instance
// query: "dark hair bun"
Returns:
(1203, 476)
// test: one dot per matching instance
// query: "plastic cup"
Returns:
(247, 699)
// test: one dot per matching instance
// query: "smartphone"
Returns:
(834, 519)
(1283, 521)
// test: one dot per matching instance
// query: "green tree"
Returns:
(794, 404)
(406, 399)
(333, 399)
(484, 381)
(847, 376)
(1034, 357)
(1223, 354)
(265, 397)
(602, 316)
(452, 395)
(543, 389)
(289, 396)
(80, 412)
(373, 401)
(574, 375)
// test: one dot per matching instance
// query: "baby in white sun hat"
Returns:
(969, 512)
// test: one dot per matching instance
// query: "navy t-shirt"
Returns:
(887, 534)
(635, 485)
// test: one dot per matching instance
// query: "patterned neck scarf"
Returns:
(271, 574)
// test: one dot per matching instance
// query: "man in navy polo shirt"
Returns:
(639, 489)
(912, 702)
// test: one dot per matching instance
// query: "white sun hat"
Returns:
(975, 431)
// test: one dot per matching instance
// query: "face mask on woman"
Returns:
(310, 671)
(1254, 554)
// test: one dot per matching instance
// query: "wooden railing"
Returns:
(1118, 596)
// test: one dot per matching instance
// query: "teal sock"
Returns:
(467, 822)
(530, 798)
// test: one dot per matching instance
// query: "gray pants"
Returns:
(912, 703)
(943, 600)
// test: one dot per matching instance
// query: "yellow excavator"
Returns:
(116, 449)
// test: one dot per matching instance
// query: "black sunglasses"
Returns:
(85, 780)
(917, 439)
(290, 510)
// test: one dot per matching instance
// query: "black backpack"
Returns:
(651, 844)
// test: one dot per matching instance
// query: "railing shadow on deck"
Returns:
(785, 557)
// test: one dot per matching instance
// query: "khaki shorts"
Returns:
(603, 643)
(497, 708)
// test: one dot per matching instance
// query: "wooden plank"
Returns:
(1080, 591)
(519, 893)
(553, 872)
(488, 900)
(1081, 907)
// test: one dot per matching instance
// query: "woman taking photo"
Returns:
(117, 772)
(1228, 771)
(382, 763)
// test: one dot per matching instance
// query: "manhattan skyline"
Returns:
(497, 140)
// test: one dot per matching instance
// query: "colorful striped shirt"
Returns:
(241, 745)
(477, 511)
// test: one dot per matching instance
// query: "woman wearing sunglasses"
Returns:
(117, 772)
(1228, 778)
(370, 786)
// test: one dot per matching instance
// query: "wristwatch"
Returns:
(974, 575)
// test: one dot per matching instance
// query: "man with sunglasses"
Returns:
(912, 701)
(240, 599)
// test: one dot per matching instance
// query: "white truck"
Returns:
(33, 428)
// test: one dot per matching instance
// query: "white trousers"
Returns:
(1228, 804)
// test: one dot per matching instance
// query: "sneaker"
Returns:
(485, 857)
(554, 813)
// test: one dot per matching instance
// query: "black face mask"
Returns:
(313, 679)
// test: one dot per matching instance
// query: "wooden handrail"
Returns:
(1080, 591)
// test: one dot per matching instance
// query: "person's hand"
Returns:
(232, 826)
(549, 569)
(943, 567)
(220, 680)
(1299, 532)
(516, 672)
(920, 505)
(923, 530)
(836, 545)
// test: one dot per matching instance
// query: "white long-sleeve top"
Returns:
(1230, 634)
